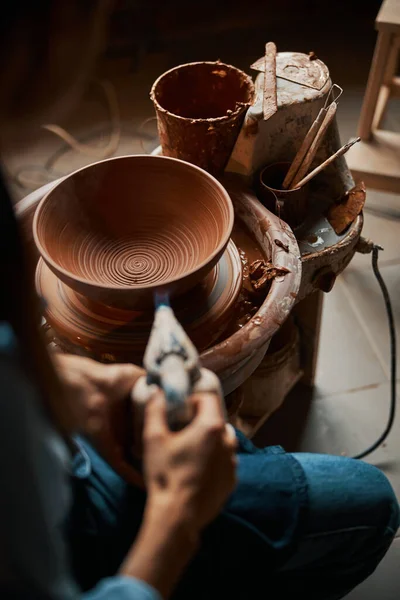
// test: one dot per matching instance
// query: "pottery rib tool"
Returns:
(328, 161)
(310, 154)
(270, 102)
(172, 363)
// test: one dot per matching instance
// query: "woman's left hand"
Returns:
(98, 395)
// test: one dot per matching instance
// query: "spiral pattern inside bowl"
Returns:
(149, 257)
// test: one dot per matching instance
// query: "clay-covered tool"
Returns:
(270, 103)
(172, 364)
(345, 148)
(305, 146)
(316, 143)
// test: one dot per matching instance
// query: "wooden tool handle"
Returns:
(309, 157)
(328, 161)
(298, 159)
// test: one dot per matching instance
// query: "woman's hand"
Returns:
(189, 476)
(190, 472)
(98, 395)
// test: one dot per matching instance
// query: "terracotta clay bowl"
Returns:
(121, 229)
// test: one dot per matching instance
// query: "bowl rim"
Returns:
(89, 283)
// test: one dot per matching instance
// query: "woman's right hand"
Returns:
(189, 476)
(189, 473)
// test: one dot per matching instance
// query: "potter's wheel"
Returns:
(108, 333)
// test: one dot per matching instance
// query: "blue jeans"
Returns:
(350, 518)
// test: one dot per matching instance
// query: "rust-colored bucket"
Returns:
(200, 109)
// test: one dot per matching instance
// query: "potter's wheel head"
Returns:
(108, 333)
(121, 229)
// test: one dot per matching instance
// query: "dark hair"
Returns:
(46, 48)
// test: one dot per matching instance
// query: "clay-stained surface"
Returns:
(249, 299)
(200, 109)
(235, 358)
(263, 272)
(327, 261)
(261, 143)
(264, 142)
(279, 370)
(342, 213)
(298, 68)
(120, 229)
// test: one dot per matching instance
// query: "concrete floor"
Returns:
(350, 402)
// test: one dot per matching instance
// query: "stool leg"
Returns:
(391, 66)
(384, 93)
(376, 75)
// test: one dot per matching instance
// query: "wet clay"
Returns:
(200, 109)
(82, 325)
(249, 299)
(118, 230)
(217, 307)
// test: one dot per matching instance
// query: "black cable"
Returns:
(393, 357)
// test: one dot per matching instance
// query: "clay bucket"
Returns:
(200, 109)
(120, 229)
(290, 205)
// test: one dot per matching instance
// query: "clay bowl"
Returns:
(121, 229)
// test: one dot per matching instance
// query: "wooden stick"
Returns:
(328, 161)
(298, 159)
(309, 157)
(270, 103)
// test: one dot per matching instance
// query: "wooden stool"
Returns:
(376, 159)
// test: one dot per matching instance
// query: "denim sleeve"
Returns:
(122, 588)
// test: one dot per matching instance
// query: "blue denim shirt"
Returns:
(122, 588)
(35, 498)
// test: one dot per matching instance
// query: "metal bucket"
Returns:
(290, 205)
(200, 109)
